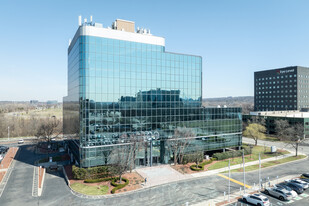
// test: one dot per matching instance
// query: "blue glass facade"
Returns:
(117, 88)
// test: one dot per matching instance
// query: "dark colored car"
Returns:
(305, 179)
(305, 176)
(296, 187)
(3, 149)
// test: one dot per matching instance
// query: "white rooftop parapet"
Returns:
(121, 35)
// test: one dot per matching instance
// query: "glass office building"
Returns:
(122, 82)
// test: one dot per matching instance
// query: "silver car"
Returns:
(281, 194)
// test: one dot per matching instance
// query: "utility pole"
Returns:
(8, 132)
(243, 160)
(229, 181)
(259, 172)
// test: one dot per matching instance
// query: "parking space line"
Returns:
(235, 181)
(290, 201)
(298, 198)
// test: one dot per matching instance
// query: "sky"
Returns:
(234, 38)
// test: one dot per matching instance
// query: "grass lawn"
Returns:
(271, 138)
(254, 156)
(89, 190)
(271, 163)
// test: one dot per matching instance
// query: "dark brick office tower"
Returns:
(281, 89)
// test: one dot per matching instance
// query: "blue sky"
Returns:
(235, 38)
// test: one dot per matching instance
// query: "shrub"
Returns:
(230, 154)
(98, 180)
(118, 186)
(192, 157)
(79, 173)
(206, 162)
(197, 167)
(90, 173)
(200, 167)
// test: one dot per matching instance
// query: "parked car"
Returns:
(296, 187)
(305, 179)
(256, 199)
(21, 141)
(302, 183)
(3, 149)
(305, 176)
(294, 194)
(281, 194)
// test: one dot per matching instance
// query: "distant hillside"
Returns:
(246, 102)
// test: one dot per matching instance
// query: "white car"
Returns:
(21, 141)
(256, 199)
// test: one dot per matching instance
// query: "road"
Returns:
(55, 191)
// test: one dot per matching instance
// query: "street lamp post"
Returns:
(150, 137)
(8, 132)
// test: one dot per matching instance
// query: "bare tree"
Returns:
(292, 134)
(257, 120)
(48, 129)
(179, 143)
(122, 158)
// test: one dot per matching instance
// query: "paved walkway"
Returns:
(160, 175)
(5, 163)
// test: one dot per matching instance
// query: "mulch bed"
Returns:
(185, 169)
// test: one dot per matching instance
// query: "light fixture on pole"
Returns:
(259, 172)
(243, 160)
(229, 181)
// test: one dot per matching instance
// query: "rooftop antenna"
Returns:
(85, 20)
(70, 40)
(91, 18)
(79, 20)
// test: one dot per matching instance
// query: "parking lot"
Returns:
(300, 200)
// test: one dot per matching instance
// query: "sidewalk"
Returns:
(8, 158)
(238, 166)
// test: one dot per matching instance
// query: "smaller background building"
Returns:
(281, 89)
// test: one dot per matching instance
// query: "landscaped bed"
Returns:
(97, 186)
(217, 164)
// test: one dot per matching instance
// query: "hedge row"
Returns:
(118, 186)
(200, 167)
(90, 173)
(98, 180)
(230, 154)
